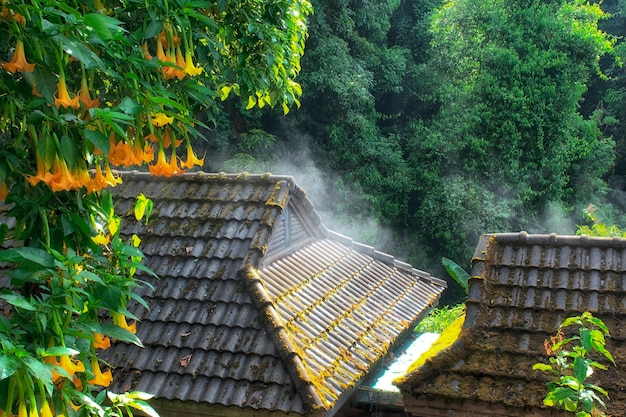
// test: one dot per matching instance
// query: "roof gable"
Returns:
(239, 317)
(521, 288)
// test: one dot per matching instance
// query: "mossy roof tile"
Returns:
(522, 287)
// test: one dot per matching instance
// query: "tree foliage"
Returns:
(87, 86)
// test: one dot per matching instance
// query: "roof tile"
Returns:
(522, 287)
(292, 333)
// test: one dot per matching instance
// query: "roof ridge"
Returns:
(559, 240)
(208, 176)
(384, 258)
(288, 351)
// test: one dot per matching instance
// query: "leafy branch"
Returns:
(572, 365)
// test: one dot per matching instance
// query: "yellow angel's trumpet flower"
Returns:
(100, 378)
(120, 320)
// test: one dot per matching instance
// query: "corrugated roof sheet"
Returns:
(522, 287)
(228, 325)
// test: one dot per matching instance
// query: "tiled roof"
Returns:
(258, 305)
(521, 288)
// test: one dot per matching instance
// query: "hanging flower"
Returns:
(4, 191)
(122, 154)
(33, 410)
(82, 177)
(21, 410)
(66, 363)
(98, 181)
(62, 97)
(41, 175)
(84, 96)
(78, 384)
(61, 179)
(161, 119)
(100, 378)
(18, 62)
(101, 341)
(11, 15)
(100, 239)
(120, 320)
(111, 179)
(144, 155)
(160, 52)
(190, 68)
(45, 410)
(161, 167)
(180, 62)
(191, 158)
(146, 52)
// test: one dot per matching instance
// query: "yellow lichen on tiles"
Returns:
(279, 195)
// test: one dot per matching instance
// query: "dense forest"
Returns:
(425, 123)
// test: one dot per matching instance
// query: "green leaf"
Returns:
(582, 370)
(599, 347)
(140, 300)
(153, 29)
(570, 382)
(130, 106)
(251, 102)
(103, 25)
(4, 230)
(110, 296)
(598, 323)
(143, 207)
(144, 408)
(39, 371)
(116, 332)
(8, 365)
(164, 101)
(59, 351)
(36, 116)
(98, 139)
(38, 256)
(81, 52)
(69, 150)
(542, 367)
(585, 338)
(131, 251)
(18, 301)
(456, 272)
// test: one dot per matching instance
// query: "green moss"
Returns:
(444, 341)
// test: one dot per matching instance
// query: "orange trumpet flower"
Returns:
(41, 175)
(98, 182)
(120, 320)
(161, 167)
(4, 191)
(101, 341)
(62, 98)
(100, 378)
(66, 363)
(18, 62)
(62, 179)
(191, 159)
(111, 179)
(85, 98)
(122, 154)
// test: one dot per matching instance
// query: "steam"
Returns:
(321, 188)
